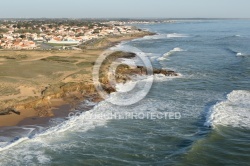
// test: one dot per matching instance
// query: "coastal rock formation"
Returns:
(8, 111)
(124, 72)
(165, 72)
(75, 92)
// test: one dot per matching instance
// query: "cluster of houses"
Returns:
(57, 35)
(8, 42)
(133, 22)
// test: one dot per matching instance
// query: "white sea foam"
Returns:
(176, 35)
(235, 111)
(133, 61)
(12, 144)
(155, 77)
(48, 138)
(242, 54)
(162, 36)
(30, 150)
(239, 54)
(136, 87)
(164, 57)
(163, 78)
(130, 62)
(125, 87)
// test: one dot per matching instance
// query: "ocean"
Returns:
(205, 111)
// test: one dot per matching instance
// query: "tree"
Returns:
(43, 28)
(18, 26)
(22, 36)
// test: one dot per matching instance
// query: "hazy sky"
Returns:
(125, 8)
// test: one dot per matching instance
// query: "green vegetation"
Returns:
(27, 31)
(31, 70)
(3, 30)
(14, 57)
(59, 59)
(95, 43)
(121, 54)
(34, 25)
(85, 64)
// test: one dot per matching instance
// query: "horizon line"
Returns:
(122, 18)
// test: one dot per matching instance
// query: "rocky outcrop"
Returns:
(124, 72)
(74, 92)
(9, 111)
(165, 72)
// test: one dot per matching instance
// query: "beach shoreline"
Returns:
(41, 108)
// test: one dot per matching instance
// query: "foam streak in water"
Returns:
(164, 57)
(162, 36)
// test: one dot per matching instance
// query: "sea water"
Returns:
(211, 98)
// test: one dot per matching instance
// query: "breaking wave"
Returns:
(164, 57)
(234, 111)
(237, 52)
(242, 54)
(162, 36)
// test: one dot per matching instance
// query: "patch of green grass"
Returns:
(14, 57)
(85, 64)
(95, 43)
(60, 59)
(33, 69)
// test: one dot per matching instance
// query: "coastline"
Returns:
(41, 108)
(204, 111)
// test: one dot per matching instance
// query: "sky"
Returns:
(125, 9)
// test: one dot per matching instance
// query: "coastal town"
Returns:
(59, 34)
